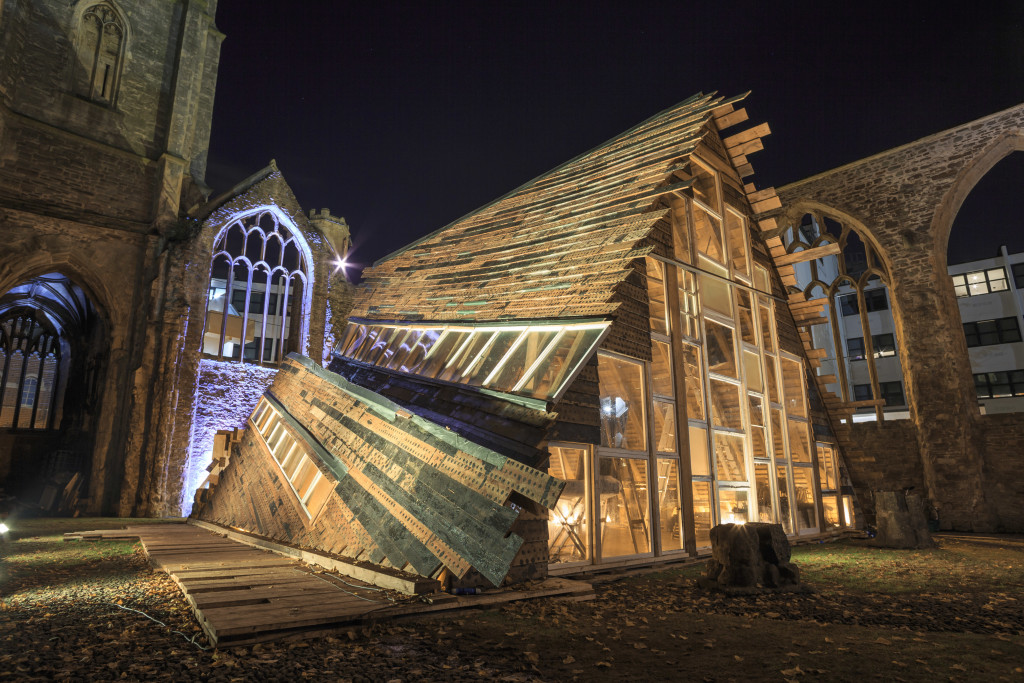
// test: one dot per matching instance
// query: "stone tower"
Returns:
(105, 110)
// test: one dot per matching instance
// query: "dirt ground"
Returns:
(955, 613)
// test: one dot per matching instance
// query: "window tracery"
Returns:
(854, 284)
(100, 53)
(30, 353)
(255, 308)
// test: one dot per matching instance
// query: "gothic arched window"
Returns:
(29, 365)
(100, 49)
(258, 282)
(861, 364)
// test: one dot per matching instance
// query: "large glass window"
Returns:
(569, 521)
(254, 256)
(669, 505)
(625, 525)
(806, 511)
(535, 360)
(721, 347)
(736, 229)
(622, 403)
(703, 513)
(656, 296)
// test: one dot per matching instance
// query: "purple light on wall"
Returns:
(226, 394)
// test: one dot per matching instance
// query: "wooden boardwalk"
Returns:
(243, 595)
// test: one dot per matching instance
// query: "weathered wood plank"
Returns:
(808, 254)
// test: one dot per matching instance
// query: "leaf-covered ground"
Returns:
(952, 613)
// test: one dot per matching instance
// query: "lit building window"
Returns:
(980, 282)
(883, 346)
(989, 332)
(293, 457)
(256, 299)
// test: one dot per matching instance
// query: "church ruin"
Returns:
(609, 360)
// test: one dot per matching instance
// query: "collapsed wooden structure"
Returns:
(617, 322)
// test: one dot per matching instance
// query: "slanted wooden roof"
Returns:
(556, 247)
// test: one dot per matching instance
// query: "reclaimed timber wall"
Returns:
(409, 493)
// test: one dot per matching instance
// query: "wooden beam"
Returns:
(873, 403)
(808, 254)
(745, 148)
(722, 110)
(755, 133)
(765, 205)
(768, 224)
(744, 170)
(731, 119)
(760, 195)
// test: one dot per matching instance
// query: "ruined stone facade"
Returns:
(904, 201)
(105, 110)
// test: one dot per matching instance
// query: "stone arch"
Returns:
(212, 237)
(83, 399)
(796, 209)
(70, 267)
(967, 178)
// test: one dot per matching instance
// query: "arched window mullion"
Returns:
(39, 386)
(281, 281)
(224, 315)
(54, 387)
(267, 289)
(245, 314)
(8, 361)
(21, 387)
(279, 356)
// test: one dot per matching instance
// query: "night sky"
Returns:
(403, 117)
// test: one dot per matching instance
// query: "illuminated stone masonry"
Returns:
(890, 215)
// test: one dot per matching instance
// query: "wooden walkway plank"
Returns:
(243, 595)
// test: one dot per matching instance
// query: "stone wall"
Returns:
(904, 200)
(93, 190)
(1004, 468)
(226, 394)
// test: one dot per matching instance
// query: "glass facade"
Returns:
(717, 421)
